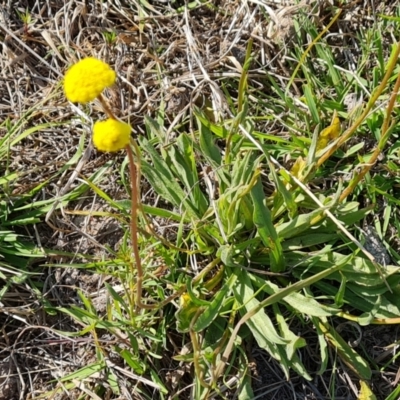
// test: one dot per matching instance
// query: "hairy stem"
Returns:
(134, 232)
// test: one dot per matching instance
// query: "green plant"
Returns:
(266, 233)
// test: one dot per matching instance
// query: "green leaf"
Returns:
(113, 381)
(366, 318)
(260, 324)
(387, 309)
(163, 181)
(265, 228)
(207, 145)
(339, 297)
(34, 129)
(227, 253)
(294, 342)
(160, 212)
(348, 355)
(84, 372)
(308, 240)
(185, 313)
(311, 103)
(157, 381)
(186, 147)
(131, 360)
(323, 346)
(118, 299)
(218, 130)
(183, 161)
(212, 310)
(194, 297)
(299, 224)
(356, 269)
(297, 301)
(246, 390)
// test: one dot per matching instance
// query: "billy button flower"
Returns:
(86, 79)
(111, 135)
(84, 82)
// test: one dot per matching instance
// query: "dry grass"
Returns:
(166, 58)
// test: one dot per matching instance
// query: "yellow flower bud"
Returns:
(86, 79)
(111, 135)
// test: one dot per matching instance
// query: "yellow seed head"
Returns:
(111, 135)
(86, 79)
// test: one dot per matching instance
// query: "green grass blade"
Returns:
(265, 228)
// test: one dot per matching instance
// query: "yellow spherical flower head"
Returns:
(111, 135)
(86, 79)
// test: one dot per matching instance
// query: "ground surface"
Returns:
(175, 60)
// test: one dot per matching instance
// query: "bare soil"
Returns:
(191, 50)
